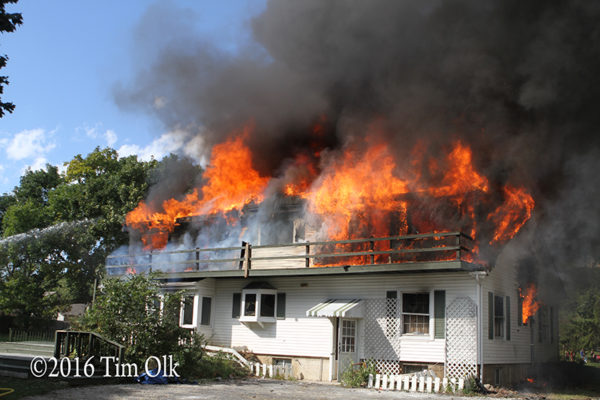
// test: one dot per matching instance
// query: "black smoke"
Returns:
(517, 80)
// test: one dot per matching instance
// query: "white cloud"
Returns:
(177, 142)
(29, 144)
(39, 163)
(109, 135)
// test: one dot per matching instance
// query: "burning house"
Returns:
(386, 181)
(330, 267)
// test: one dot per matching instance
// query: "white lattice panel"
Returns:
(461, 338)
(382, 334)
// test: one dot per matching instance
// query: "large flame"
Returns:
(231, 183)
(530, 304)
(359, 192)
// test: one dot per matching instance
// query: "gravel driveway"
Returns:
(252, 389)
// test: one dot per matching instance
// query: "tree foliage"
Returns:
(134, 312)
(581, 328)
(59, 228)
(8, 23)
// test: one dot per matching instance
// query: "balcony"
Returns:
(448, 250)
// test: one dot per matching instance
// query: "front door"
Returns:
(347, 342)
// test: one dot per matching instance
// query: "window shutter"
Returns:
(280, 305)
(237, 305)
(439, 313)
(206, 306)
(507, 318)
(490, 315)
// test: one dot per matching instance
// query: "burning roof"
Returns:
(387, 117)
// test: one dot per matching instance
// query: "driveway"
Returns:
(252, 389)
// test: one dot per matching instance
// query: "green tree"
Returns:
(8, 23)
(134, 312)
(581, 330)
(58, 230)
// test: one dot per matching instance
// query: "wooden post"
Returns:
(307, 259)
(197, 259)
(150, 259)
(10, 334)
(246, 259)
(458, 244)
(371, 248)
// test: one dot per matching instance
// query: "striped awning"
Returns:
(337, 308)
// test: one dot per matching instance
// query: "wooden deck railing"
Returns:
(84, 345)
(447, 246)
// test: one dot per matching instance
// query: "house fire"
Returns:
(381, 180)
(398, 284)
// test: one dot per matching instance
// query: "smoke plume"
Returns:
(518, 81)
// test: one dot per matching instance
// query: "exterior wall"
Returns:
(503, 281)
(309, 368)
(505, 374)
(298, 336)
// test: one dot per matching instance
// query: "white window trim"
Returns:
(416, 336)
(256, 317)
(194, 313)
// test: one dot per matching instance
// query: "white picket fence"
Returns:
(412, 383)
(268, 371)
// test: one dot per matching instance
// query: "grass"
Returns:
(36, 386)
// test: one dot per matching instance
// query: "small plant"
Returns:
(471, 387)
(357, 375)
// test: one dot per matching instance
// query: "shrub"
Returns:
(358, 375)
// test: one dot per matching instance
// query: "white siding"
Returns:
(302, 336)
(502, 281)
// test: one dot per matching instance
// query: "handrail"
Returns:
(85, 345)
(398, 245)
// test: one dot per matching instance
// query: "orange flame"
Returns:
(357, 193)
(512, 214)
(530, 305)
(231, 184)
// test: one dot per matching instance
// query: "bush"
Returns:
(219, 365)
(129, 311)
(358, 377)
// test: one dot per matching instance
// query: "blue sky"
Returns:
(64, 62)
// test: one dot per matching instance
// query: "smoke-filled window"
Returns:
(498, 316)
(415, 313)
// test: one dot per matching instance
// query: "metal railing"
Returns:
(85, 345)
(445, 246)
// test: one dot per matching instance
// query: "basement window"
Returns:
(415, 313)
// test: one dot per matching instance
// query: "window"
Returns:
(415, 313)
(206, 309)
(348, 336)
(259, 305)
(187, 312)
(498, 316)
(267, 305)
(250, 305)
